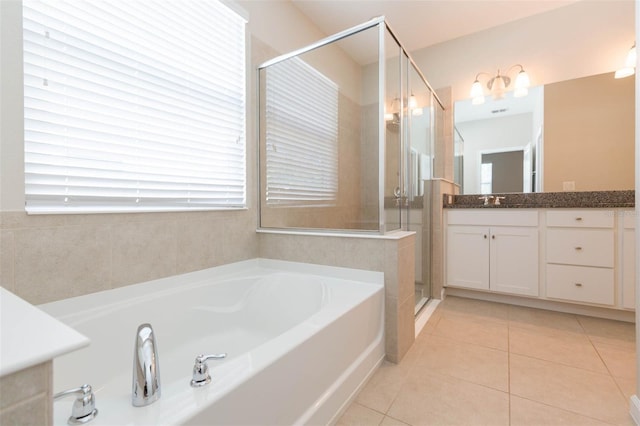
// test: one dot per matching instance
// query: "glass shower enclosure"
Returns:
(346, 140)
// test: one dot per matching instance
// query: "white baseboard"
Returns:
(634, 409)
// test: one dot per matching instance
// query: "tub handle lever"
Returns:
(84, 407)
(201, 374)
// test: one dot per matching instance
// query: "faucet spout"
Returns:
(146, 368)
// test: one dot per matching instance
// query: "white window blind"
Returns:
(301, 109)
(133, 106)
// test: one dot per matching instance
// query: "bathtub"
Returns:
(300, 340)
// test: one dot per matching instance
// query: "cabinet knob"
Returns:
(493, 237)
(578, 284)
(485, 236)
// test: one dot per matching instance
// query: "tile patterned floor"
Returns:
(484, 363)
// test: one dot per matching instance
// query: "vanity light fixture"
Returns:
(629, 64)
(498, 85)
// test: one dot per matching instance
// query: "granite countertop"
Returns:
(583, 199)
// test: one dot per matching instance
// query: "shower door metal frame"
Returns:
(383, 26)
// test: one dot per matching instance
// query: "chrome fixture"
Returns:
(84, 407)
(498, 85)
(201, 374)
(497, 200)
(146, 368)
(486, 198)
(629, 64)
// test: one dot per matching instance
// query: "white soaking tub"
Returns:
(300, 339)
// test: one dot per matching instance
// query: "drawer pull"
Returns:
(485, 236)
(493, 237)
(578, 248)
(578, 219)
(578, 284)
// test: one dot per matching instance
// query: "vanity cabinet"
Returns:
(628, 259)
(493, 250)
(580, 256)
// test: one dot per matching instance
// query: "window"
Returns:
(486, 178)
(301, 109)
(133, 106)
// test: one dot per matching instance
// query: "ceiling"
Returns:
(422, 23)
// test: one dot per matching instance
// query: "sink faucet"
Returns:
(146, 368)
(487, 199)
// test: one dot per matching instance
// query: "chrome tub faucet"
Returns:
(146, 368)
(84, 407)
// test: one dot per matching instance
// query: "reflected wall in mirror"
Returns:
(571, 135)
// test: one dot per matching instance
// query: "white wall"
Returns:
(584, 38)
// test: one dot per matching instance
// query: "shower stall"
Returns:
(347, 130)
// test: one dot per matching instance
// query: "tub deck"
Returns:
(299, 339)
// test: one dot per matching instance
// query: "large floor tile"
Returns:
(390, 421)
(572, 349)
(473, 363)
(474, 308)
(591, 394)
(525, 412)
(541, 320)
(480, 332)
(620, 360)
(617, 333)
(359, 415)
(441, 400)
(627, 386)
(383, 387)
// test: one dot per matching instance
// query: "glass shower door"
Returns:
(420, 160)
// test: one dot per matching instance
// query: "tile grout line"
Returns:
(595, 348)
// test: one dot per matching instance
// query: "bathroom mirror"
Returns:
(574, 135)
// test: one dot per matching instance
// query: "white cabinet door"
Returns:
(468, 256)
(514, 260)
(629, 269)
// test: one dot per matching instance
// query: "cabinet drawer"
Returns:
(587, 247)
(493, 217)
(580, 218)
(580, 284)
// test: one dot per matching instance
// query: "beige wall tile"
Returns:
(406, 327)
(32, 412)
(406, 270)
(143, 251)
(200, 243)
(7, 260)
(56, 263)
(26, 396)
(24, 384)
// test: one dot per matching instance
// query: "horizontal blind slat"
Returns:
(126, 99)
